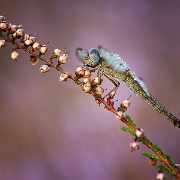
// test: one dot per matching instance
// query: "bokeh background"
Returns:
(53, 130)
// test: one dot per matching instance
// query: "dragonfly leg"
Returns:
(114, 81)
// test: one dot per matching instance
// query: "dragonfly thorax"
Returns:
(92, 58)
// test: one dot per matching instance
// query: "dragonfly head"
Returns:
(92, 58)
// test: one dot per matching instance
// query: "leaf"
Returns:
(148, 154)
(128, 130)
(163, 168)
(128, 118)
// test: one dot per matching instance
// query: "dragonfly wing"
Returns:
(81, 53)
(113, 60)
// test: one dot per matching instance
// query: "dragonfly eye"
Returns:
(92, 58)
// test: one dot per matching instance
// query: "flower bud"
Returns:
(99, 90)
(80, 71)
(3, 25)
(86, 80)
(13, 28)
(2, 43)
(33, 60)
(120, 115)
(63, 77)
(19, 33)
(160, 176)
(126, 103)
(44, 68)
(134, 145)
(36, 46)
(139, 132)
(87, 87)
(26, 37)
(14, 55)
(96, 81)
(43, 49)
(87, 73)
(57, 53)
(63, 58)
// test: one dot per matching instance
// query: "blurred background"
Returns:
(53, 130)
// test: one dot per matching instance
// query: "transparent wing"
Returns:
(81, 53)
(113, 60)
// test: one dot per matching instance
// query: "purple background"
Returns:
(51, 129)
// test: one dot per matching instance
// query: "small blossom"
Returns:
(99, 90)
(63, 77)
(63, 58)
(86, 80)
(33, 60)
(134, 145)
(57, 53)
(2, 43)
(43, 49)
(87, 87)
(14, 55)
(126, 103)
(139, 132)
(28, 42)
(3, 25)
(160, 175)
(120, 115)
(80, 71)
(36, 46)
(44, 68)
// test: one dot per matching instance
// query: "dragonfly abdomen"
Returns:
(139, 88)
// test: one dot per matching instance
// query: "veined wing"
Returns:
(81, 53)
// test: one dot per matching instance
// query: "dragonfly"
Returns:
(112, 66)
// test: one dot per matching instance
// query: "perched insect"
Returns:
(114, 67)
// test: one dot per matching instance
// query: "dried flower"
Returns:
(43, 49)
(63, 77)
(134, 145)
(63, 58)
(44, 68)
(14, 55)
(160, 175)
(2, 43)
(152, 161)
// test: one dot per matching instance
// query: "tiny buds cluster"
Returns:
(63, 58)
(152, 161)
(134, 145)
(139, 132)
(99, 90)
(33, 60)
(14, 55)
(87, 87)
(57, 53)
(43, 49)
(160, 176)
(80, 71)
(63, 77)
(19, 33)
(2, 43)
(119, 116)
(44, 68)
